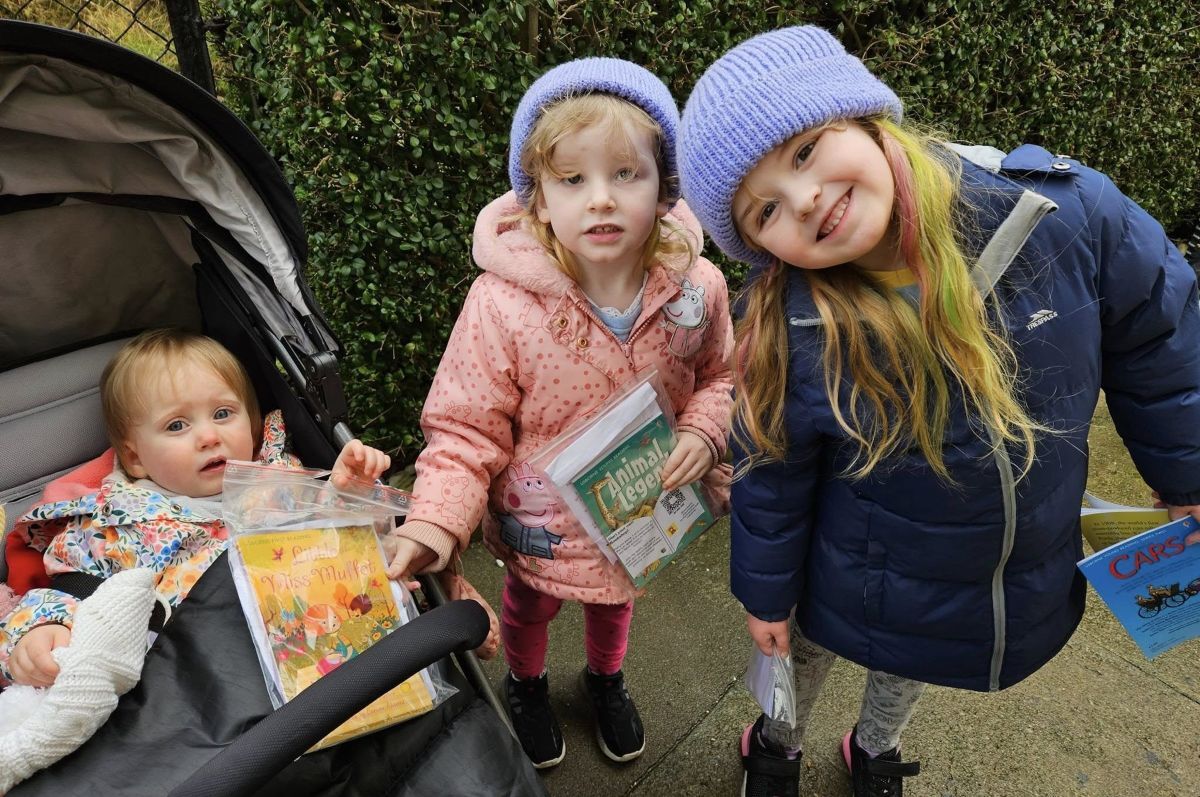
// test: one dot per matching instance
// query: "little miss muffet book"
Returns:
(315, 598)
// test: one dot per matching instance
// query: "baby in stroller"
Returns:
(177, 405)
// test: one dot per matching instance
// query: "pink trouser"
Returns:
(524, 627)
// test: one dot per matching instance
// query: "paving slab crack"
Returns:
(669, 754)
(1137, 665)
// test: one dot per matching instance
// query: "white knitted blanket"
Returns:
(103, 662)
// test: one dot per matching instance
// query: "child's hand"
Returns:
(408, 557)
(769, 636)
(690, 460)
(1176, 512)
(358, 461)
(31, 662)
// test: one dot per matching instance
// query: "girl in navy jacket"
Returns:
(923, 338)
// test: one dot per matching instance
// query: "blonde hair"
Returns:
(900, 362)
(667, 241)
(152, 354)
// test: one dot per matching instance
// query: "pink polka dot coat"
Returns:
(527, 358)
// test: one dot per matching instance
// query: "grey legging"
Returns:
(887, 706)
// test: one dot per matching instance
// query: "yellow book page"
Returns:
(409, 699)
(1105, 527)
(323, 597)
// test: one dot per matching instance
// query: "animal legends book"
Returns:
(315, 598)
(609, 475)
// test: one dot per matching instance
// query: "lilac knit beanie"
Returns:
(584, 76)
(755, 97)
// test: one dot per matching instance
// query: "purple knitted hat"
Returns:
(584, 76)
(754, 98)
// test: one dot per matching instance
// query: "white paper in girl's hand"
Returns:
(769, 679)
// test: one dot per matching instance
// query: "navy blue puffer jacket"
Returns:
(975, 585)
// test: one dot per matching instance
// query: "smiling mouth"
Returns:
(835, 216)
(603, 229)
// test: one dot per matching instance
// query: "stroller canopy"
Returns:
(131, 199)
(109, 163)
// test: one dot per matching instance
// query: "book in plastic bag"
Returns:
(310, 574)
(608, 472)
(1151, 582)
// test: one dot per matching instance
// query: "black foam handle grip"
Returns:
(257, 755)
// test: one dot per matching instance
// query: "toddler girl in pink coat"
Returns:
(591, 275)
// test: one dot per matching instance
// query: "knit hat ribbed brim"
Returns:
(754, 98)
(593, 75)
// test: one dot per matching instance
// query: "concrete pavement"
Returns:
(1098, 721)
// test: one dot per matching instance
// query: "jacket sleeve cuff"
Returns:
(1190, 498)
(37, 607)
(439, 539)
(769, 616)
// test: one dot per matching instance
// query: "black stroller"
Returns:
(130, 199)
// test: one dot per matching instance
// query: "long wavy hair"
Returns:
(900, 364)
(667, 240)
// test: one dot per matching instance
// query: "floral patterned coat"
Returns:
(120, 527)
(527, 358)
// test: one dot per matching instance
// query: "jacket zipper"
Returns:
(999, 608)
(1032, 216)
(626, 345)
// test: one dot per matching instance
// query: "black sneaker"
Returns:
(768, 771)
(618, 726)
(534, 721)
(879, 776)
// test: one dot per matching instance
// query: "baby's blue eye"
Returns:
(766, 213)
(625, 175)
(175, 426)
(222, 414)
(574, 179)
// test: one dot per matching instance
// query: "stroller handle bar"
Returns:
(281, 737)
(342, 435)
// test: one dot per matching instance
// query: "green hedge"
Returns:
(391, 121)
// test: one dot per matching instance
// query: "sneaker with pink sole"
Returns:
(769, 772)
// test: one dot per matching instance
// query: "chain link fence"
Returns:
(171, 32)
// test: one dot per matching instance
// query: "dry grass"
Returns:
(1111, 474)
(140, 25)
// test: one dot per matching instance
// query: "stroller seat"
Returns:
(50, 423)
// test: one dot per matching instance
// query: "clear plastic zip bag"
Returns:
(770, 681)
(310, 571)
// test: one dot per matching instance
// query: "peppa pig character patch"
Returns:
(531, 506)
